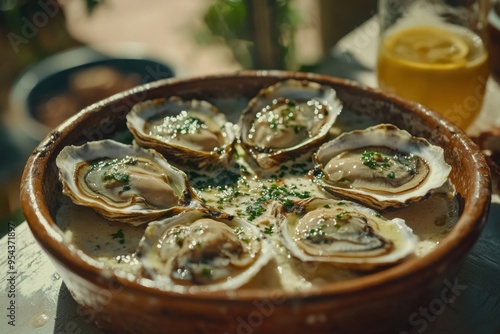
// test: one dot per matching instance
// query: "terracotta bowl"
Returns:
(378, 303)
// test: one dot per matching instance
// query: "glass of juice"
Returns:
(434, 52)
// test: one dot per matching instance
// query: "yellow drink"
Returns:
(445, 70)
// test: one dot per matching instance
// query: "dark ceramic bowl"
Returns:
(377, 303)
(53, 76)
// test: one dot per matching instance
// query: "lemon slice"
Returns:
(430, 45)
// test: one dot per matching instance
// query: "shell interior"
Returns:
(122, 182)
(190, 133)
(287, 119)
(381, 166)
(196, 251)
(346, 234)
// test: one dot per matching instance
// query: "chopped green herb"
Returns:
(189, 125)
(317, 235)
(255, 210)
(318, 173)
(274, 192)
(243, 169)
(272, 124)
(113, 162)
(206, 272)
(288, 204)
(114, 171)
(119, 235)
(218, 150)
(345, 215)
(374, 160)
(224, 179)
(269, 229)
(240, 232)
(116, 176)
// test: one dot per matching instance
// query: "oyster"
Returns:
(189, 133)
(200, 250)
(123, 183)
(287, 119)
(346, 234)
(381, 166)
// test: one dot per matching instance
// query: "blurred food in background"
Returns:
(85, 87)
(57, 87)
(489, 142)
(494, 39)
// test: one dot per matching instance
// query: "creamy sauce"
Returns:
(245, 194)
(244, 190)
(430, 220)
(110, 242)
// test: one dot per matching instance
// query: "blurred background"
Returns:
(59, 56)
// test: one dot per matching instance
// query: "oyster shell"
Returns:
(346, 234)
(381, 166)
(287, 119)
(189, 133)
(123, 183)
(200, 250)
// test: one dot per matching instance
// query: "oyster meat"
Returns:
(286, 120)
(199, 250)
(189, 133)
(123, 183)
(381, 166)
(346, 234)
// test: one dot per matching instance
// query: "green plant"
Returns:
(234, 22)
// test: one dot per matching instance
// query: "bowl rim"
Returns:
(459, 240)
